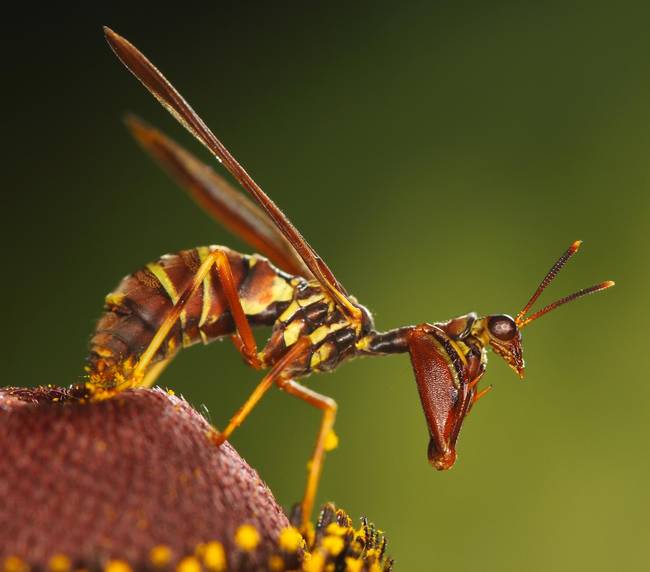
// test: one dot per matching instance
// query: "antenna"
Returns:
(521, 319)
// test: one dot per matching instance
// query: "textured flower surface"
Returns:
(134, 483)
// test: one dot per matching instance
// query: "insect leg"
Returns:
(276, 375)
(247, 344)
(153, 373)
(243, 339)
(329, 407)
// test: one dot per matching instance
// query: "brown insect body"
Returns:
(140, 303)
(294, 306)
(208, 293)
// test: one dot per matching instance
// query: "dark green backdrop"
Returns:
(439, 155)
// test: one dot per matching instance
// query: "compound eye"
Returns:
(502, 327)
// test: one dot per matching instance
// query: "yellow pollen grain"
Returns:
(59, 563)
(189, 564)
(331, 441)
(160, 555)
(247, 537)
(117, 566)
(336, 529)
(314, 564)
(290, 539)
(214, 556)
(276, 563)
(333, 544)
(171, 392)
(352, 565)
(14, 564)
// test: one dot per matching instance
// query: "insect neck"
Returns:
(393, 341)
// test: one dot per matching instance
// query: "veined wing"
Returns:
(231, 208)
(167, 95)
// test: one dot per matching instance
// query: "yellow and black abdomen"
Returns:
(136, 309)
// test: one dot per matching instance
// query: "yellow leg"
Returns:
(153, 373)
(329, 407)
(276, 375)
(247, 345)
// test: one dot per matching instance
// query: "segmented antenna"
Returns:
(521, 319)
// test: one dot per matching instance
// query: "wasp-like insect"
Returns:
(206, 293)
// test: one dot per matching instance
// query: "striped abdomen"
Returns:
(135, 310)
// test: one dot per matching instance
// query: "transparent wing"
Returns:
(231, 208)
(167, 95)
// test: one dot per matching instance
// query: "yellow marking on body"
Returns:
(214, 556)
(459, 351)
(247, 537)
(103, 352)
(114, 299)
(479, 331)
(319, 334)
(363, 344)
(289, 312)
(279, 291)
(161, 274)
(204, 252)
(298, 305)
(292, 332)
(319, 296)
(450, 365)
(160, 555)
(321, 354)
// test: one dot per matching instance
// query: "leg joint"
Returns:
(330, 405)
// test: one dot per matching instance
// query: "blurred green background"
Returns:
(439, 155)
